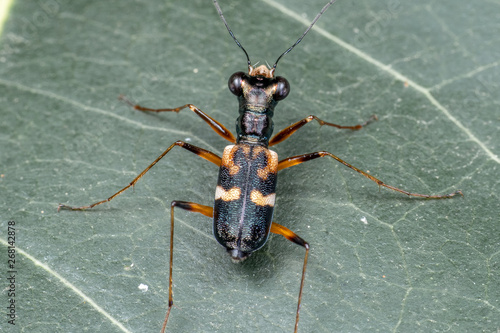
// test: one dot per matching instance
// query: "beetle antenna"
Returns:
(231, 33)
(305, 32)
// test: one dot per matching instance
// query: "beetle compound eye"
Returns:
(234, 83)
(282, 89)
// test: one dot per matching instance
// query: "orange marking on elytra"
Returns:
(262, 200)
(229, 195)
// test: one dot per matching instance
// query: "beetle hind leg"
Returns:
(192, 207)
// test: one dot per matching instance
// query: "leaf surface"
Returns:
(379, 261)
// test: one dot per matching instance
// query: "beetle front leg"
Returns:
(287, 132)
(214, 124)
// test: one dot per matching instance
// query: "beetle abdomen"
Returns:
(244, 198)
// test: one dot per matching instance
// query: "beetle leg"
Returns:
(291, 236)
(291, 161)
(214, 124)
(192, 207)
(206, 154)
(287, 132)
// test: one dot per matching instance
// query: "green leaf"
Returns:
(379, 261)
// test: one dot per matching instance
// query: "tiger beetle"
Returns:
(245, 194)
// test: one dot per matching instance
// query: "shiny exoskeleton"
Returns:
(246, 188)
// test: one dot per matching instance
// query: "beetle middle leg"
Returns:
(192, 207)
(291, 161)
(206, 154)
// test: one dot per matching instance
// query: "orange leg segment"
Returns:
(214, 124)
(192, 207)
(287, 132)
(291, 236)
(291, 161)
(208, 155)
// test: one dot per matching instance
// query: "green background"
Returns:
(412, 266)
